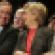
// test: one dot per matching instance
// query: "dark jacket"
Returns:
(39, 43)
(8, 39)
(42, 42)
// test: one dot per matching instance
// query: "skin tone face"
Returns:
(18, 21)
(31, 18)
(4, 14)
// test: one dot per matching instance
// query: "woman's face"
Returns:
(18, 21)
(29, 17)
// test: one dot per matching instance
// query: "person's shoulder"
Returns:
(12, 30)
(42, 30)
(45, 31)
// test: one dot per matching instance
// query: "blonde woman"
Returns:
(35, 14)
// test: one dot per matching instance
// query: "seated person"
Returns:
(19, 25)
(8, 36)
(36, 34)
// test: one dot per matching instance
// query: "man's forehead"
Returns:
(19, 14)
(5, 8)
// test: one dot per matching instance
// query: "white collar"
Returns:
(1, 28)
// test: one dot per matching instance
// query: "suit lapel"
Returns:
(37, 41)
(2, 36)
(23, 44)
(25, 39)
(34, 41)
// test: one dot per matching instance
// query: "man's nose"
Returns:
(4, 16)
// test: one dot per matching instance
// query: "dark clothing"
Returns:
(53, 43)
(8, 39)
(39, 43)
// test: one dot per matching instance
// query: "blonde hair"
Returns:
(36, 5)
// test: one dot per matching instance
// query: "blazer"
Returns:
(39, 43)
(8, 39)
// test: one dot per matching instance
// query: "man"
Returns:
(19, 25)
(18, 21)
(8, 36)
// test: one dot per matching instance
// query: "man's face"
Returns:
(4, 14)
(18, 21)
